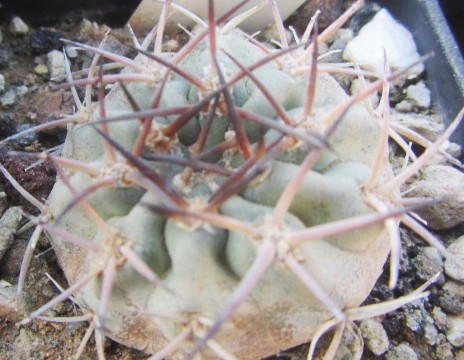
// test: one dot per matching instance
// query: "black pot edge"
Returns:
(114, 13)
(445, 71)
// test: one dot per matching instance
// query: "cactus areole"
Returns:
(208, 198)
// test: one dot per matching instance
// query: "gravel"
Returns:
(429, 330)
(18, 26)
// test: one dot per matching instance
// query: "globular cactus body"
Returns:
(204, 266)
(253, 253)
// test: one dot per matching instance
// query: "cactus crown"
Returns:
(224, 192)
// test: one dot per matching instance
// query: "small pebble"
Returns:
(426, 267)
(21, 90)
(41, 69)
(71, 52)
(27, 139)
(18, 26)
(2, 83)
(55, 62)
(401, 352)
(453, 149)
(444, 352)
(382, 36)
(452, 297)
(440, 318)
(454, 266)
(4, 58)
(433, 255)
(430, 334)
(413, 320)
(449, 212)
(375, 336)
(405, 106)
(8, 307)
(7, 124)
(455, 334)
(460, 355)
(419, 94)
(8, 98)
(172, 45)
(351, 345)
(9, 223)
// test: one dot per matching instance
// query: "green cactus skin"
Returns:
(203, 264)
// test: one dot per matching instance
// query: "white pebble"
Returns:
(419, 94)
(71, 52)
(18, 26)
(382, 36)
(55, 62)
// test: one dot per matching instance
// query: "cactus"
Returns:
(227, 200)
